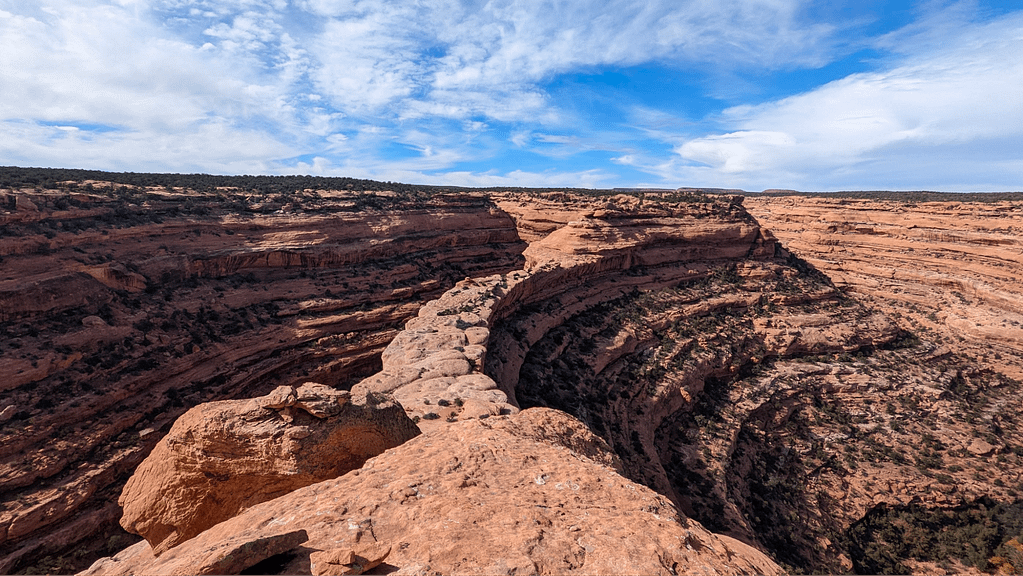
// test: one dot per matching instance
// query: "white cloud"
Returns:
(162, 68)
(516, 178)
(383, 89)
(214, 147)
(164, 103)
(572, 179)
(102, 64)
(918, 118)
(459, 59)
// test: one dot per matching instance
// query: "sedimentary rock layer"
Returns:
(747, 390)
(122, 308)
(709, 363)
(954, 268)
(489, 344)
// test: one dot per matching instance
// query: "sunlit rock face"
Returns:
(121, 308)
(535, 493)
(670, 347)
(950, 268)
(222, 457)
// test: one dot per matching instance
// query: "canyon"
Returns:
(595, 381)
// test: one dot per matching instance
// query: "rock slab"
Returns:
(531, 493)
(223, 457)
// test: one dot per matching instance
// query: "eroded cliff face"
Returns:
(928, 435)
(732, 377)
(952, 270)
(122, 308)
(707, 367)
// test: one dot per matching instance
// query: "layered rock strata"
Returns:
(618, 247)
(733, 378)
(464, 355)
(121, 308)
(729, 388)
(953, 268)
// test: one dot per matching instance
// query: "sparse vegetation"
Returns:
(781, 425)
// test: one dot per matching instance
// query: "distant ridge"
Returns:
(14, 177)
(903, 196)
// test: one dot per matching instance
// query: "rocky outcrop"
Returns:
(531, 493)
(651, 345)
(723, 375)
(440, 362)
(222, 457)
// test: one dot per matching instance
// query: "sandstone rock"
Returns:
(237, 553)
(258, 299)
(980, 447)
(953, 268)
(265, 275)
(135, 555)
(531, 492)
(477, 335)
(345, 561)
(7, 413)
(23, 203)
(222, 457)
(240, 554)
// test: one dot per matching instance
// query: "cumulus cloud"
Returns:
(920, 117)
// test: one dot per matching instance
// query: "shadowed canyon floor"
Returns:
(603, 383)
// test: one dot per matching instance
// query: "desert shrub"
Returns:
(974, 533)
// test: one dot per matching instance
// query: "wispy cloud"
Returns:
(465, 91)
(174, 104)
(919, 118)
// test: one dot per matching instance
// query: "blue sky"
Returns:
(752, 94)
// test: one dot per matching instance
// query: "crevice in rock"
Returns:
(272, 565)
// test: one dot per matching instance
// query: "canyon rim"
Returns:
(338, 376)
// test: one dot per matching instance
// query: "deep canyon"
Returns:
(551, 381)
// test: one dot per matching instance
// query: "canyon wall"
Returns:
(778, 388)
(122, 308)
(952, 269)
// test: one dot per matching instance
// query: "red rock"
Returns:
(275, 298)
(536, 492)
(222, 457)
(463, 354)
(345, 561)
(980, 447)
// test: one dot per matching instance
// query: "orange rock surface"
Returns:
(736, 381)
(952, 268)
(120, 309)
(531, 493)
(222, 457)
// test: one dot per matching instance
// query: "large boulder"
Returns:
(531, 493)
(223, 457)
